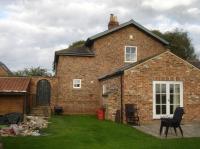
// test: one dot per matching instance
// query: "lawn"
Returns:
(85, 132)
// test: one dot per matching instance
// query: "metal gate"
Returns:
(43, 93)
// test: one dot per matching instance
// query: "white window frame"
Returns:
(104, 89)
(74, 83)
(156, 116)
(135, 54)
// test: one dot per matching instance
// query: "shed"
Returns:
(14, 95)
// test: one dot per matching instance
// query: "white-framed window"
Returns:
(104, 89)
(130, 54)
(167, 96)
(76, 83)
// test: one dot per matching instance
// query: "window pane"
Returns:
(158, 109)
(163, 88)
(177, 88)
(77, 81)
(171, 109)
(157, 98)
(157, 88)
(171, 98)
(132, 57)
(177, 99)
(171, 88)
(128, 57)
(163, 109)
(128, 50)
(132, 50)
(164, 99)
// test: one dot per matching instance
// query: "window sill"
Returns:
(130, 61)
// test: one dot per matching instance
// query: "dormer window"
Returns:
(130, 54)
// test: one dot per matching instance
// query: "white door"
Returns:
(167, 95)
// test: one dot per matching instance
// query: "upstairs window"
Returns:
(130, 54)
(76, 83)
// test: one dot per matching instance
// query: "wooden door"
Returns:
(43, 92)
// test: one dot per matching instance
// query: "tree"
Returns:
(38, 71)
(180, 43)
(75, 44)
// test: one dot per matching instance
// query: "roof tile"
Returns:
(14, 84)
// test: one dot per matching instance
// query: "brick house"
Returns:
(126, 64)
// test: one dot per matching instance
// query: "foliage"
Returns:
(180, 43)
(86, 132)
(38, 71)
(75, 44)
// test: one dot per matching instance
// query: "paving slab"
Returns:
(189, 130)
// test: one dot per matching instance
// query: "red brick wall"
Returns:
(84, 100)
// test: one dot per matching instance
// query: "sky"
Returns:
(32, 30)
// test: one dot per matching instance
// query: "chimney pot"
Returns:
(113, 22)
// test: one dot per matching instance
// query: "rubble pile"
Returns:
(31, 126)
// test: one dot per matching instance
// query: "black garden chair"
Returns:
(131, 113)
(173, 122)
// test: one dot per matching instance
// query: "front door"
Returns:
(43, 92)
(167, 95)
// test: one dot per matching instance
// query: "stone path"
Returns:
(189, 130)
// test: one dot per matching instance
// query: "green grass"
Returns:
(85, 132)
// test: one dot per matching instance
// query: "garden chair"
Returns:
(173, 122)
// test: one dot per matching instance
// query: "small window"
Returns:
(130, 54)
(77, 83)
(104, 89)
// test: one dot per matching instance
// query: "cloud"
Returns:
(167, 4)
(193, 11)
(31, 30)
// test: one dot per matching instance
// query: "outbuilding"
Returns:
(156, 85)
(14, 95)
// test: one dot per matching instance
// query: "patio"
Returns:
(189, 130)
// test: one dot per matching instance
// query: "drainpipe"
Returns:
(121, 81)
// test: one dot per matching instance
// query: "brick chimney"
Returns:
(113, 22)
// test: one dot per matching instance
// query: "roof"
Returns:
(14, 84)
(195, 63)
(76, 51)
(5, 68)
(131, 22)
(121, 70)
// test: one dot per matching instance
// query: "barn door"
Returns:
(43, 93)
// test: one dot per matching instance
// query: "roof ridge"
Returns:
(122, 69)
(133, 22)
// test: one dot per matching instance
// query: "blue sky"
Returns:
(32, 30)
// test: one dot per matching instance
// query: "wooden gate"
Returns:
(43, 93)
